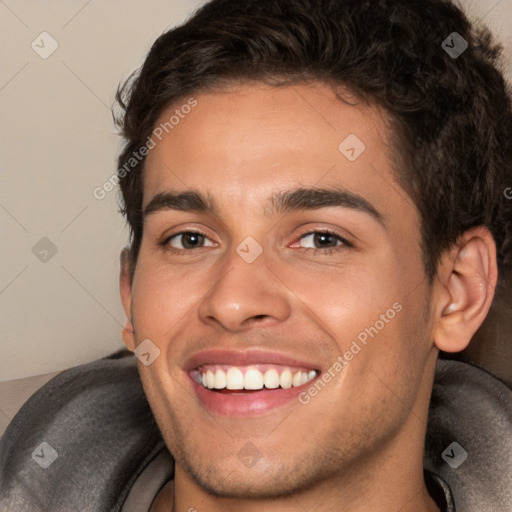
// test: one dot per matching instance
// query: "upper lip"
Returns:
(244, 358)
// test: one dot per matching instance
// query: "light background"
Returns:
(57, 143)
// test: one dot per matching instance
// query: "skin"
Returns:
(358, 444)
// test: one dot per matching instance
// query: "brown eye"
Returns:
(187, 240)
(322, 240)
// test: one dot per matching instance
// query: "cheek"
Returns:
(163, 298)
(371, 317)
(346, 298)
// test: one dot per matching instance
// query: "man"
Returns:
(315, 192)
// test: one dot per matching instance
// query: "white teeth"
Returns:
(271, 379)
(220, 379)
(210, 379)
(297, 379)
(286, 379)
(253, 379)
(234, 379)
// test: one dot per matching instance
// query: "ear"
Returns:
(465, 285)
(125, 288)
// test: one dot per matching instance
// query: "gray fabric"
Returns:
(439, 491)
(145, 489)
(97, 418)
(472, 408)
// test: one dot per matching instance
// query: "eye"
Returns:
(186, 240)
(323, 240)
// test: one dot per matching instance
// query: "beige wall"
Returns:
(57, 143)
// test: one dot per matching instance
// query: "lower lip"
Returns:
(252, 403)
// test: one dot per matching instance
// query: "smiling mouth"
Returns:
(223, 378)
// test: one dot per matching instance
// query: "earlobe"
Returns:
(468, 282)
(125, 288)
(128, 335)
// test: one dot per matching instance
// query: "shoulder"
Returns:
(88, 428)
(469, 436)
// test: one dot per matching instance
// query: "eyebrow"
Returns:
(287, 201)
(316, 198)
(188, 201)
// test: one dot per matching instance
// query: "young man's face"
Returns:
(266, 293)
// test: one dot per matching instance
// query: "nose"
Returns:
(246, 295)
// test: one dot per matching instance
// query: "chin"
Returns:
(268, 481)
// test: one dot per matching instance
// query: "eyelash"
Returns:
(308, 250)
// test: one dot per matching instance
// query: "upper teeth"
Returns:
(252, 378)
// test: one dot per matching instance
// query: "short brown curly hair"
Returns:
(451, 117)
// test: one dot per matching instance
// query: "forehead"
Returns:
(245, 143)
